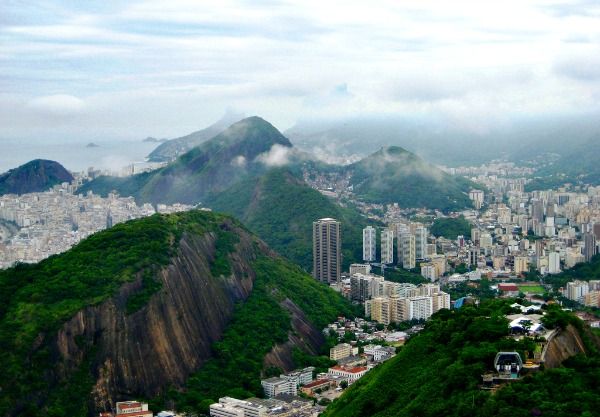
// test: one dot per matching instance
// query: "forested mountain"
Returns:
(393, 174)
(168, 302)
(239, 152)
(34, 176)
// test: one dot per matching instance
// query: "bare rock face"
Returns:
(562, 346)
(161, 344)
(304, 335)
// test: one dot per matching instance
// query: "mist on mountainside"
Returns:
(442, 140)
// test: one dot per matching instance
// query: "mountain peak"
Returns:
(34, 176)
(255, 129)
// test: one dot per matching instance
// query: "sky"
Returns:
(131, 69)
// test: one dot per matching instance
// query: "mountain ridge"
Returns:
(172, 148)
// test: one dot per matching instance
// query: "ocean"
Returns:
(74, 156)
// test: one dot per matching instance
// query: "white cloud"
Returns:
(277, 156)
(239, 161)
(57, 105)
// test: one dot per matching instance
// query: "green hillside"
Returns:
(229, 157)
(438, 373)
(451, 227)
(393, 174)
(280, 208)
(36, 300)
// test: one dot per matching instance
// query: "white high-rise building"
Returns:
(477, 197)
(420, 308)
(576, 290)
(387, 246)
(369, 244)
(406, 251)
(553, 263)
(421, 235)
(428, 271)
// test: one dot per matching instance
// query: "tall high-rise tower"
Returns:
(406, 251)
(421, 242)
(387, 246)
(589, 250)
(369, 244)
(327, 250)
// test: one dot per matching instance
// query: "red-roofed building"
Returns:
(319, 384)
(350, 374)
(508, 289)
(133, 409)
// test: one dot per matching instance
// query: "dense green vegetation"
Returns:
(583, 271)
(394, 175)
(401, 275)
(451, 227)
(280, 209)
(461, 289)
(34, 176)
(438, 373)
(259, 324)
(576, 165)
(214, 165)
(35, 300)
(550, 182)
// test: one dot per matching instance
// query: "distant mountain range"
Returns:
(34, 176)
(249, 148)
(171, 149)
(571, 139)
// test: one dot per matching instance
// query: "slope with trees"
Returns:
(280, 208)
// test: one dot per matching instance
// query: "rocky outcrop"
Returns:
(561, 346)
(304, 335)
(161, 344)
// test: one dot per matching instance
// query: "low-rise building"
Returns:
(232, 407)
(340, 351)
(349, 374)
(276, 386)
(132, 409)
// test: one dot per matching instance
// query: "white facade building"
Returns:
(369, 244)
(387, 246)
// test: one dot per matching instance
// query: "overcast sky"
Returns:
(165, 68)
